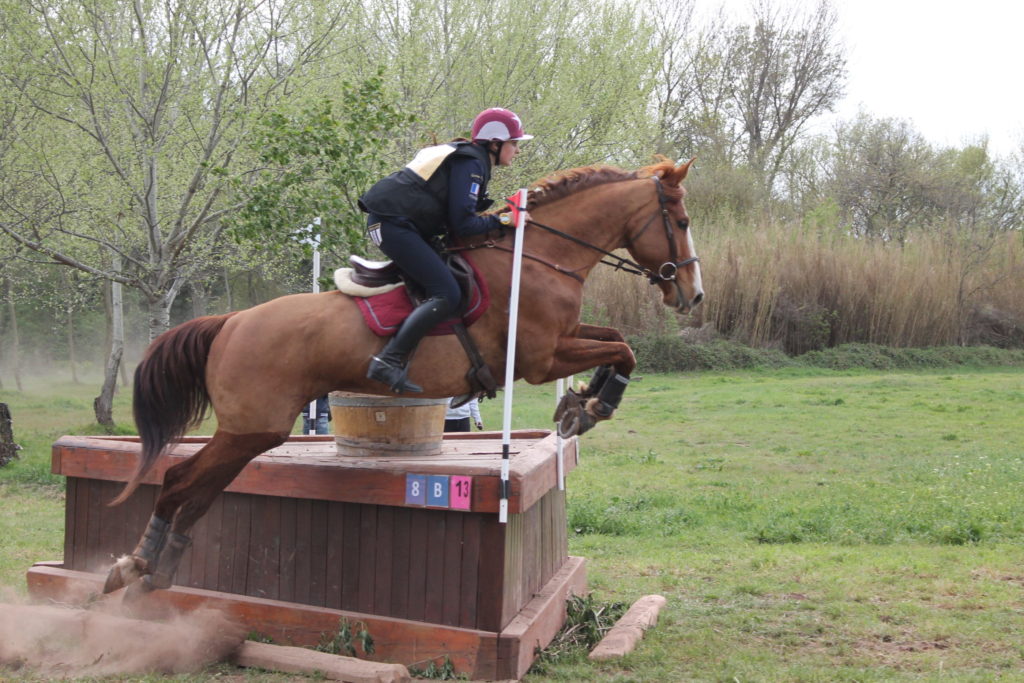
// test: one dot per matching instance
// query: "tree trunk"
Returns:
(199, 300)
(72, 351)
(8, 449)
(2, 350)
(15, 338)
(159, 317)
(124, 374)
(69, 282)
(103, 405)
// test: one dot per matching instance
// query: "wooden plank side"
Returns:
(418, 550)
(452, 584)
(367, 558)
(544, 570)
(511, 597)
(334, 570)
(319, 548)
(383, 549)
(436, 524)
(304, 551)
(539, 620)
(229, 532)
(81, 531)
(243, 541)
(214, 520)
(470, 570)
(70, 520)
(93, 551)
(265, 548)
(286, 564)
(108, 532)
(197, 554)
(492, 573)
(350, 556)
(529, 556)
(401, 574)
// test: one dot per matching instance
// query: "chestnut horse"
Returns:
(259, 367)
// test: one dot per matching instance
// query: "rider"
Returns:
(442, 188)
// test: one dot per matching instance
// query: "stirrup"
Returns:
(396, 377)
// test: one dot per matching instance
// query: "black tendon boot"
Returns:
(170, 558)
(389, 366)
(610, 395)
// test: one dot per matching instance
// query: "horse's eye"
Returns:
(684, 224)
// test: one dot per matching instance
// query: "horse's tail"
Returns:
(170, 394)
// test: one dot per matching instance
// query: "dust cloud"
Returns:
(100, 638)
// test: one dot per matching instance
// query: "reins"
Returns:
(666, 272)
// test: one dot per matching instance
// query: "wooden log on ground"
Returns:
(332, 667)
(627, 631)
(65, 641)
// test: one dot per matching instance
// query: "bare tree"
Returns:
(141, 111)
(790, 70)
(130, 118)
(881, 174)
(742, 94)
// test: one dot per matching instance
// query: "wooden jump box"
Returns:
(304, 538)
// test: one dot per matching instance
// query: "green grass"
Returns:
(805, 524)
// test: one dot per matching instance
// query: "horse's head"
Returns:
(660, 240)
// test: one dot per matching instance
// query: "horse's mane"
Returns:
(564, 183)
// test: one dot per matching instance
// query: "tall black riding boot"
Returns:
(389, 366)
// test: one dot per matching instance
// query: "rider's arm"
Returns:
(465, 185)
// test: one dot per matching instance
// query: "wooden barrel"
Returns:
(368, 425)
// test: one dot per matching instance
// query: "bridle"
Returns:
(666, 272)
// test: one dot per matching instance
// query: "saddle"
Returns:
(386, 298)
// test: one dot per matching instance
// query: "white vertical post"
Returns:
(314, 240)
(559, 441)
(569, 381)
(519, 199)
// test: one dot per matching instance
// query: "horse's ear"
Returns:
(676, 174)
(679, 174)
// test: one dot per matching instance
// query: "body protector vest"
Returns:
(419, 192)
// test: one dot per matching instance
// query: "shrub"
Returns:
(674, 353)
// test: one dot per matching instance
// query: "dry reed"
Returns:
(795, 288)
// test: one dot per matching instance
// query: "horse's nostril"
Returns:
(697, 299)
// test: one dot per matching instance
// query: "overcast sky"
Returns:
(955, 70)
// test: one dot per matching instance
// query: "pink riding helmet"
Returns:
(498, 124)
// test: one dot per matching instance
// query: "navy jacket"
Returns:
(443, 188)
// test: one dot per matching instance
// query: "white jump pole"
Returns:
(314, 240)
(519, 207)
(559, 441)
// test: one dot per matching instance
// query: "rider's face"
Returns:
(509, 150)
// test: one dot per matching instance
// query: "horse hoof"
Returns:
(125, 572)
(131, 601)
(569, 425)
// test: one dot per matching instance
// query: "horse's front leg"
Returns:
(590, 347)
(603, 348)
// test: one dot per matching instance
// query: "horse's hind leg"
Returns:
(189, 489)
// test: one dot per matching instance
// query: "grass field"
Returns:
(804, 525)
